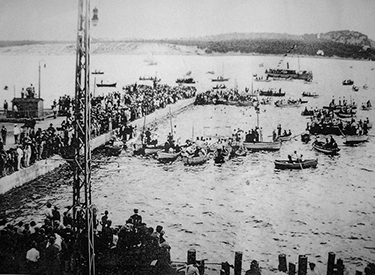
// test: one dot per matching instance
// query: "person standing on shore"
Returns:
(4, 132)
(16, 133)
(5, 107)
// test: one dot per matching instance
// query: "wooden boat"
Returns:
(355, 139)
(97, 72)
(346, 115)
(263, 146)
(147, 151)
(219, 79)
(308, 94)
(222, 86)
(106, 84)
(245, 103)
(167, 157)
(257, 79)
(286, 164)
(320, 147)
(199, 160)
(271, 93)
(294, 103)
(348, 82)
(284, 137)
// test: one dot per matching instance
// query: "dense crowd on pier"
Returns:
(108, 112)
(50, 247)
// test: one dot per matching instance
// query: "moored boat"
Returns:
(289, 74)
(198, 160)
(106, 84)
(286, 164)
(308, 94)
(324, 148)
(219, 79)
(97, 72)
(263, 146)
(166, 156)
(354, 139)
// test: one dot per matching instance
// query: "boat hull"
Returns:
(262, 146)
(167, 157)
(195, 160)
(106, 85)
(327, 151)
(355, 139)
(286, 164)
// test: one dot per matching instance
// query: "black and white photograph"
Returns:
(182, 137)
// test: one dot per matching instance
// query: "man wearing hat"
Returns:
(16, 133)
(136, 218)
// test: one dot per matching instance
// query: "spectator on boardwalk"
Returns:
(136, 218)
(4, 132)
(16, 133)
(5, 107)
(19, 157)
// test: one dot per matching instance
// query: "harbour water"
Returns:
(245, 204)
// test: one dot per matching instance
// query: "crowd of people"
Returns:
(109, 112)
(50, 247)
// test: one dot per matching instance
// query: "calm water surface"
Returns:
(244, 205)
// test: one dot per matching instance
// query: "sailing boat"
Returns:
(168, 156)
(249, 99)
(262, 145)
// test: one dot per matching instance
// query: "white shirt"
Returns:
(32, 255)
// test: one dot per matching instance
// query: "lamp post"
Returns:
(44, 62)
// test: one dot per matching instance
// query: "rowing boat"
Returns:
(355, 139)
(167, 157)
(320, 147)
(286, 164)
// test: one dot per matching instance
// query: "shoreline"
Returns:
(141, 48)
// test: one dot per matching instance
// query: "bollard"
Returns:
(282, 263)
(191, 256)
(331, 263)
(238, 263)
(302, 265)
(292, 269)
(340, 267)
(225, 269)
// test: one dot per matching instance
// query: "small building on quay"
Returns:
(26, 108)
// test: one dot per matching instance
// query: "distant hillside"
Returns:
(343, 44)
(346, 44)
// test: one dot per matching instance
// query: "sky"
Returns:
(149, 19)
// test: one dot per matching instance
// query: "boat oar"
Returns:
(300, 164)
